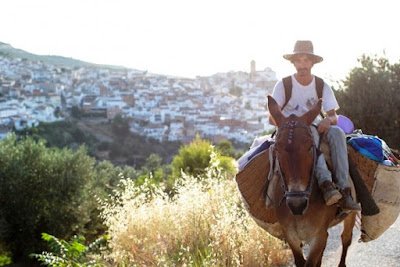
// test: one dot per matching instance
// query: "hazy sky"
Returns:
(189, 38)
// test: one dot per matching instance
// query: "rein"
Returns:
(291, 125)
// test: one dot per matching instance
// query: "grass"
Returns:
(203, 224)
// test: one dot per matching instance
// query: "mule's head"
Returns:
(295, 153)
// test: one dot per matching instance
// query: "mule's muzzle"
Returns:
(297, 205)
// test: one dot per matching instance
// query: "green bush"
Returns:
(195, 158)
(44, 190)
(370, 97)
(5, 259)
(61, 134)
(226, 148)
(73, 253)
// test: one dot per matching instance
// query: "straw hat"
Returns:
(304, 47)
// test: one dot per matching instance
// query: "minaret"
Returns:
(252, 69)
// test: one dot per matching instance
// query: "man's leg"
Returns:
(337, 143)
(324, 176)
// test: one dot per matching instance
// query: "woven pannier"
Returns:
(383, 182)
(252, 181)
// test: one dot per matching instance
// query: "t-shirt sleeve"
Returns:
(329, 99)
(279, 93)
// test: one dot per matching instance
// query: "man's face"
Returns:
(303, 64)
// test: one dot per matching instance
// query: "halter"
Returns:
(291, 125)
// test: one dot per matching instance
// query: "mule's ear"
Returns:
(310, 116)
(275, 110)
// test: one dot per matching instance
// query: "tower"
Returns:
(252, 69)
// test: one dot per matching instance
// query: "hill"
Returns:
(102, 142)
(7, 50)
(129, 149)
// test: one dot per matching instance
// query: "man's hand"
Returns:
(324, 125)
(330, 119)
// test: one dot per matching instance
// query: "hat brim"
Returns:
(317, 59)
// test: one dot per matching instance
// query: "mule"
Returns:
(298, 202)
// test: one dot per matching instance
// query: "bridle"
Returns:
(291, 125)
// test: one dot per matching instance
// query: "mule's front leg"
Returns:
(296, 246)
(298, 255)
(317, 247)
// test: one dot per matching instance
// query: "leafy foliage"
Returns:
(194, 159)
(370, 98)
(44, 190)
(120, 127)
(155, 173)
(126, 148)
(76, 112)
(226, 148)
(73, 253)
(61, 134)
(5, 259)
(108, 177)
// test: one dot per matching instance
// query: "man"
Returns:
(303, 97)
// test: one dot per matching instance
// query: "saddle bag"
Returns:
(252, 181)
(383, 183)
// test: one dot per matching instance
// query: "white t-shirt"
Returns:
(304, 98)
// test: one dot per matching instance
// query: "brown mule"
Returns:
(299, 204)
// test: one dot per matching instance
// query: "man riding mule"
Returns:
(297, 202)
(285, 183)
(298, 100)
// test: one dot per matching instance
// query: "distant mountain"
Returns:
(7, 50)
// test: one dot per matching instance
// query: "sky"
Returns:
(190, 38)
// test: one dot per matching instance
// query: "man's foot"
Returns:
(330, 193)
(347, 203)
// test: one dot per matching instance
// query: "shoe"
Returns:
(330, 193)
(347, 203)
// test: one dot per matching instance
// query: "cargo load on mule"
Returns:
(374, 170)
(379, 169)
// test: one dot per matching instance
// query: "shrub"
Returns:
(195, 158)
(203, 224)
(44, 190)
(73, 253)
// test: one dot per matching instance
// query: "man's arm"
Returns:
(330, 119)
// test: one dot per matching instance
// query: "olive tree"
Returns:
(370, 98)
(43, 190)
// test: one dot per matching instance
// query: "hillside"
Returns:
(7, 50)
(102, 142)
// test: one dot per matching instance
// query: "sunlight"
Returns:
(203, 37)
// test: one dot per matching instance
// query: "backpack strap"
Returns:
(287, 84)
(319, 86)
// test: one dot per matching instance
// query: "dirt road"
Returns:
(384, 251)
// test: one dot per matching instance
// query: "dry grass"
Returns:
(204, 224)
